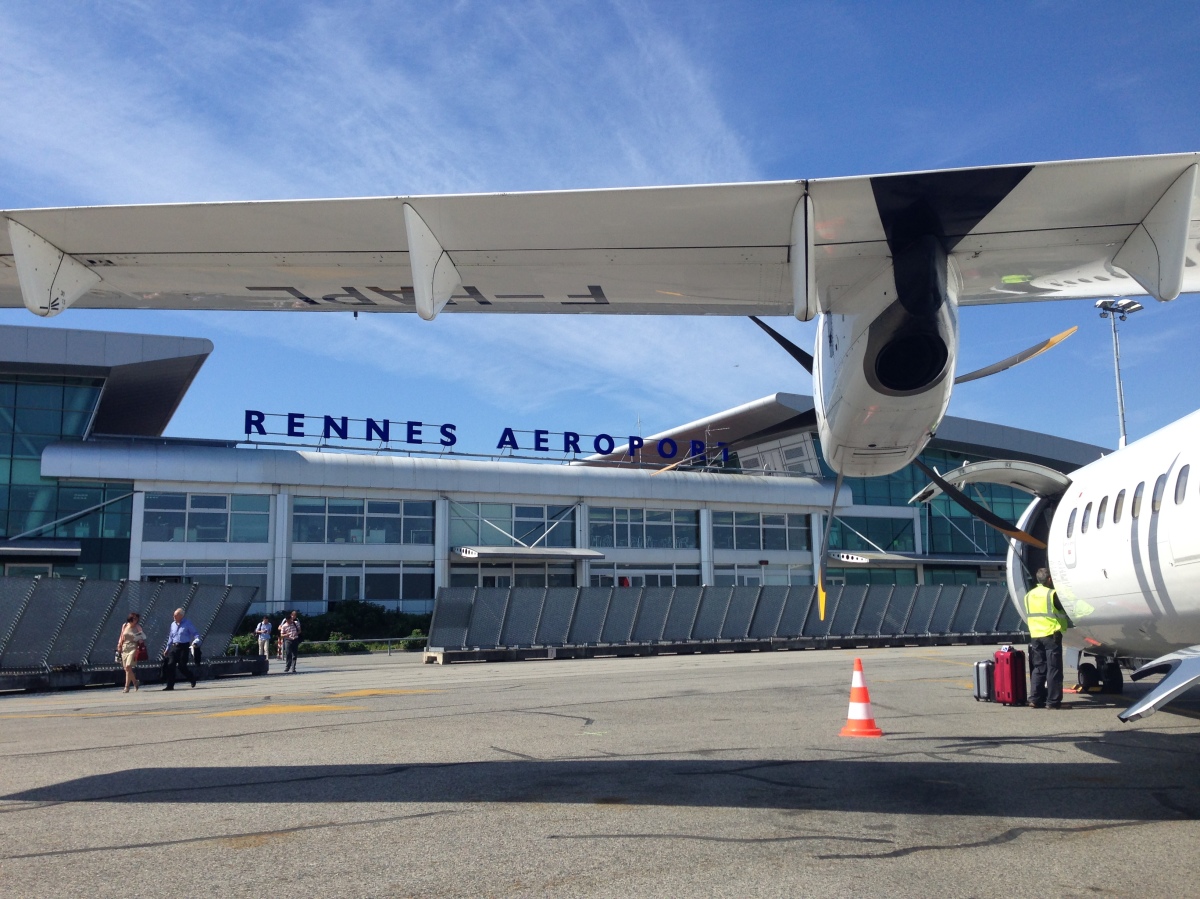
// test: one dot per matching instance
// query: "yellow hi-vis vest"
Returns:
(1044, 618)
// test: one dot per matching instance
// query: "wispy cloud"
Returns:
(330, 100)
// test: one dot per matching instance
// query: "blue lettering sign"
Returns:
(335, 426)
(635, 444)
(414, 432)
(508, 439)
(448, 437)
(603, 444)
(697, 449)
(254, 422)
(382, 432)
(662, 448)
(295, 424)
(570, 442)
(540, 443)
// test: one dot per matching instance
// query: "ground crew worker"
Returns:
(1047, 621)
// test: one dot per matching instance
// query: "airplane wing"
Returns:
(1089, 228)
(1180, 669)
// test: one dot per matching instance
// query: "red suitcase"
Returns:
(1009, 677)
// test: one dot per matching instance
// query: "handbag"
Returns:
(143, 654)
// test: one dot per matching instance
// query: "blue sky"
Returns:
(135, 102)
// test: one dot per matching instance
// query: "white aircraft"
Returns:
(1121, 537)
(882, 263)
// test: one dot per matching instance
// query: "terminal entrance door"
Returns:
(343, 582)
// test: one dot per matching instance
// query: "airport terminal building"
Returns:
(94, 489)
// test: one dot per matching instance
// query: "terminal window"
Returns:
(761, 531)
(318, 519)
(504, 524)
(644, 528)
(206, 518)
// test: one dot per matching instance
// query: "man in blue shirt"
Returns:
(179, 645)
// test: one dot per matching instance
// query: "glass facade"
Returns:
(945, 526)
(763, 531)
(628, 575)
(512, 574)
(505, 524)
(319, 519)
(644, 528)
(36, 411)
(397, 585)
(859, 534)
(206, 518)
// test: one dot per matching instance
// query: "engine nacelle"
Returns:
(882, 380)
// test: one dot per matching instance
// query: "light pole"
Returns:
(1112, 310)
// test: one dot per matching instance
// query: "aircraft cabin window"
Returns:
(1160, 487)
(1071, 523)
(1087, 517)
(1181, 484)
(1118, 504)
(1101, 511)
(1136, 509)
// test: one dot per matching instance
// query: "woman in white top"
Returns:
(132, 636)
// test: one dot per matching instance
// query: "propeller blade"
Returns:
(794, 351)
(985, 515)
(805, 421)
(1023, 356)
(837, 488)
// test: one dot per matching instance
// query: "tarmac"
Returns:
(697, 775)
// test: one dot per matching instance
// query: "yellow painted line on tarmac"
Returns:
(280, 710)
(382, 693)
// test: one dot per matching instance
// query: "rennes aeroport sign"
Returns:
(422, 433)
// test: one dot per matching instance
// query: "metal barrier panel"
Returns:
(228, 619)
(156, 620)
(557, 611)
(896, 615)
(524, 611)
(795, 610)
(943, 612)
(652, 614)
(682, 615)
(487, 617)
(765, 621)
(711, 616)
(590, 613)
(813, 625)
(922, 610)
(34, 633)
(968, 609)
(622, 611)
(870, 618)
(740, 613)
(1011, 620)
(96, 603)
(451, 618)
(202, 608)
(13, 591)
(846, 611)
(991, 608)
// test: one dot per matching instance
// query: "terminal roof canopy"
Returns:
(145, 376)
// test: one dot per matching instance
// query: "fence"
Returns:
(562, 621)
(56, 624)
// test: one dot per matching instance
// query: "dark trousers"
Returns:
(177, 659)
(1046, 670)
(289, 654)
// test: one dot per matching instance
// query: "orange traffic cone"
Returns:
(859, 721)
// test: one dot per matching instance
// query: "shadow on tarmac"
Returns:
(1139, 776)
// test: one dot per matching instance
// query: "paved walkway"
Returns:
(668, 776)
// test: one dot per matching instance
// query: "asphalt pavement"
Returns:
(700, 775)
